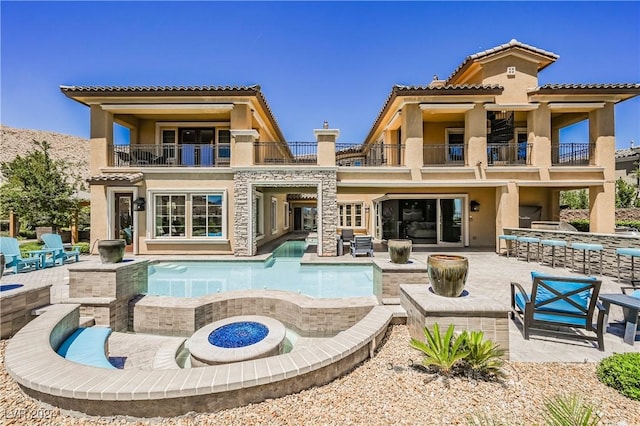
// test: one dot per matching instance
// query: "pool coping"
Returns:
(31, 360)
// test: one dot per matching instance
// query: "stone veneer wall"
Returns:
(307, 316)
(104, 290)
(322, 178)
(388, 276)
(472, 313)
(16, 306)
(610, 242)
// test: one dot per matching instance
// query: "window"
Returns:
(206, 215)
(274, 215)
(189, 215)
(285, 211)
(350, 215)
(258, 219)
(170, 215)
(455, 145)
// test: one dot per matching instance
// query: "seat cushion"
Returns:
(551, 315)
(582, 299)
(628, 252)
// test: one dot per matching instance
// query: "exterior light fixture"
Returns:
(139, 204)
(474, 206)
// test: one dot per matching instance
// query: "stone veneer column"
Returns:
(539, 131)
(602, 198)
(475, 134)
(413, 139)
(324, 179)
(326, 139)
(242, 147)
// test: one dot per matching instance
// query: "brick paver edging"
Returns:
(31, 360)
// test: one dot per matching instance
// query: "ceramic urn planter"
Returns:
(447, 273)
(111, 251)
(399, 250)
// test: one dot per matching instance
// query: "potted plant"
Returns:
(447, 273)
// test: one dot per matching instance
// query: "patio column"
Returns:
(101, 136)
(602, 198)
(412, 139)
(475, 135)
(14, 224)
(539, 131)
(507, 208)
(242, 147)
(326, 139)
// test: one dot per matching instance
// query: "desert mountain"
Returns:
(72, 149)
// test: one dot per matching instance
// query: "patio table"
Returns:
(630, 308)
(42, 253)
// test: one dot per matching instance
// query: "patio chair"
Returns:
(54, 241)
(13, 258)
(362, 245)
(346, 236)
(556, 304)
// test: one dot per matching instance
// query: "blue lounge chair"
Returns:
(13, 258)
(54, 241)
(557, 304)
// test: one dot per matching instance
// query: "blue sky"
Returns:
(315, 61)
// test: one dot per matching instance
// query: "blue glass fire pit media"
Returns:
(238, 334)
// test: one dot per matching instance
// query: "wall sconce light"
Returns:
(366, 209)
(139, 204)
(474, 206)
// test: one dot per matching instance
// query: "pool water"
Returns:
(195, 279)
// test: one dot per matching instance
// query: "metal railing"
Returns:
(571, 154)
(170, 155)
(376, 155)
(444, 155)
(285, 153)
(501, 154)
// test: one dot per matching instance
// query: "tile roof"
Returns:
(594, 87)
(628, 152)
(251, 90)
(513, 43)
(116, 178)
(449, 89)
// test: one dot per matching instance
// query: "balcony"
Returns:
(571, 154)
(285, 153)
(502, 154)
(377, 155)
(170, 155)
(444, 155)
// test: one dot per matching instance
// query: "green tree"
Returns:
(39, 189)
(575, 199)
(625, 194)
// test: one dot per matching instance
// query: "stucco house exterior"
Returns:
(452, 163)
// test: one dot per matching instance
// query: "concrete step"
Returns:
(87, 322)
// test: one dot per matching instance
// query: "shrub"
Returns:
(466, 355)
(629, 223)
(84, 247)
(570, 411)
(581, 225)
(27, 234)
(621, 372)
(32, 245)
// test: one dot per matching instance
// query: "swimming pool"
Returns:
(195, 279)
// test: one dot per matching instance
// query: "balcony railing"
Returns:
(501, 154)
(287, 153)
(571, 154)
(377, 155)
(170, 155)
(444, 155)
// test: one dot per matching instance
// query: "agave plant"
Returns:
(442, 352)
(570, 411)
(484, 356)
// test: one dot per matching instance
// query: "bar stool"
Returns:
(553, 244)
(509, 240)
(586, 255)
(529, 241)
(632, 252)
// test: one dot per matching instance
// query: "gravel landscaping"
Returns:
(381, 391)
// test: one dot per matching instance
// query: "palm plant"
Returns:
(442, 352)
(484, 356)
(570, 411)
